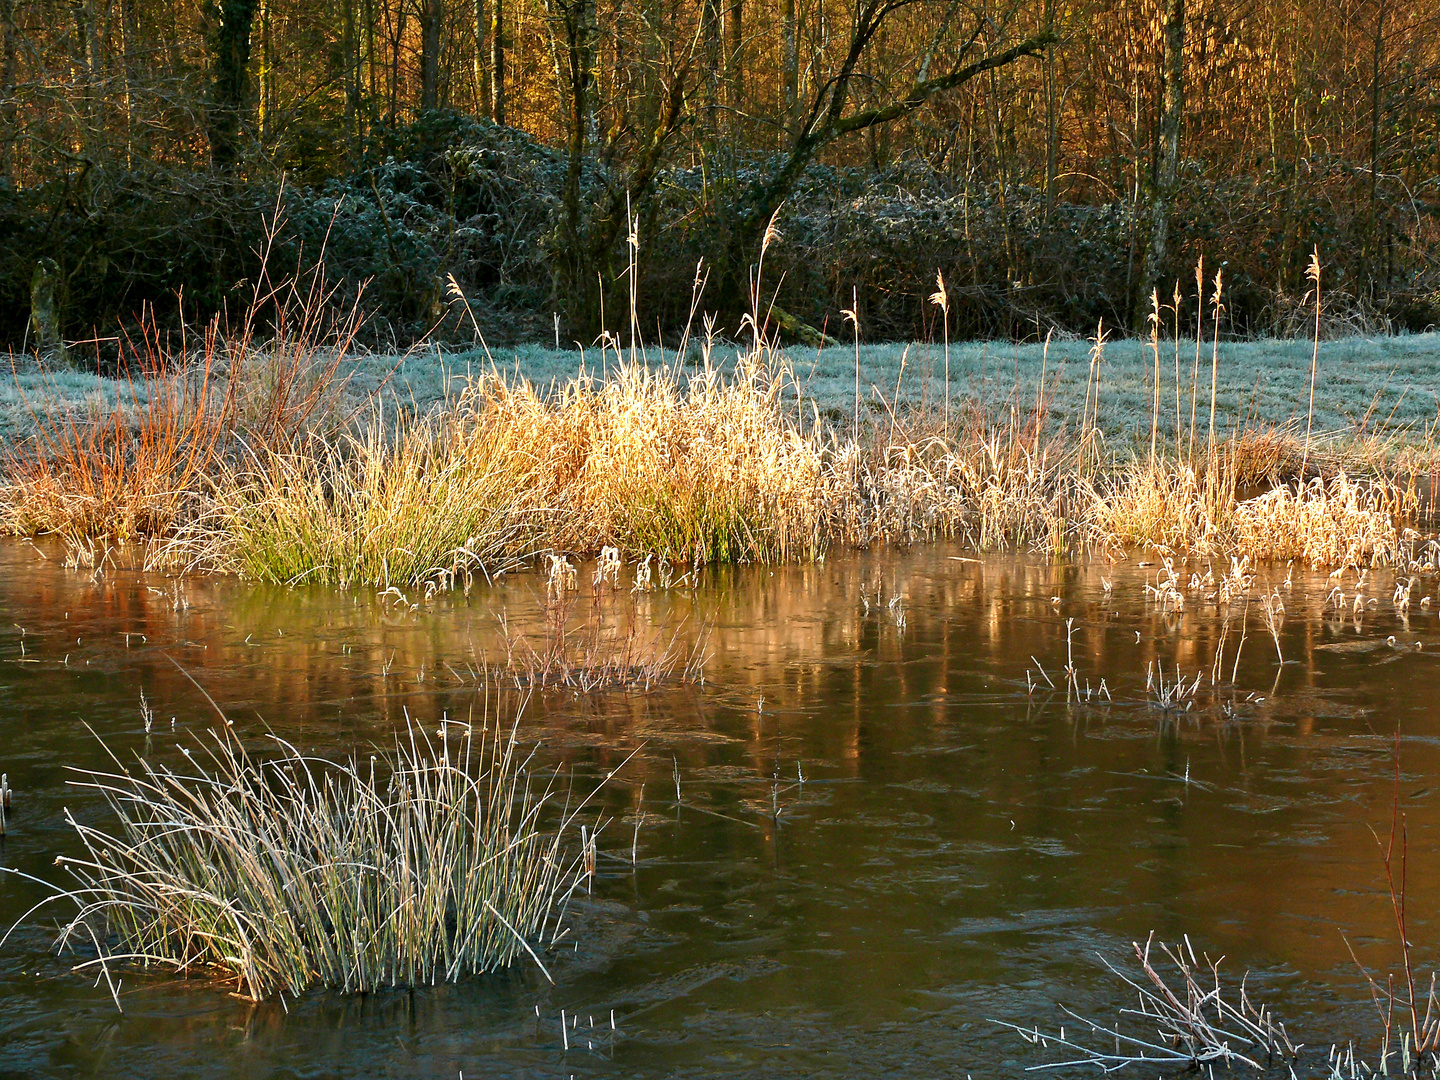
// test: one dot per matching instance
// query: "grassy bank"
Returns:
(302, 464)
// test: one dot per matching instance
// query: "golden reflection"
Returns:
(893, 667)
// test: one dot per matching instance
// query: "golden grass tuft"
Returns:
(1323, 522)
(1339, 522)
(694, 469)
(447, 497)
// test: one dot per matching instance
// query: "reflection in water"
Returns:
(857, 841)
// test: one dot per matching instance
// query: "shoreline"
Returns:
(299, 464)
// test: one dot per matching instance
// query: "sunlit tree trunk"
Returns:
(127, 30)
(710, 32)
(264, 119)
(1372, 223)
(789, 60)
(351, 50)
(369, 62)
(1162, 193)
(396, 40)
(1052, 119)
(85, 75)
(735, 53)
(480, 62)
(497, 62)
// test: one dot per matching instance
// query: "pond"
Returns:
(872, 830)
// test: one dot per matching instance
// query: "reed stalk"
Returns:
(942, 300)
(1217, 307)
(1154, 320)
(1312, 273)
(1199, 329)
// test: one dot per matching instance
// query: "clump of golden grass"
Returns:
(446, 497)
(693, 470)
(992, 482)
(293, 872)
(1339, 522)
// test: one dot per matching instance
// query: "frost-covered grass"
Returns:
(1364, 386)
(30, 393)
(288, 872)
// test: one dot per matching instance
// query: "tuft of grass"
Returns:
(1182, 1020)
(447, 497)
(122, 473)
(293, 872)
(693, 468)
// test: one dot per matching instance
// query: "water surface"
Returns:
(959, 851)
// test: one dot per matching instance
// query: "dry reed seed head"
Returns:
(772, 231)
(940, 298)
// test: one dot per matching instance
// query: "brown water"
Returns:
(959, 851)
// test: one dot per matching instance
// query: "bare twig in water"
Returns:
(1194, 1026)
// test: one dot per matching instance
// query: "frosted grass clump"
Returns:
(296, 872)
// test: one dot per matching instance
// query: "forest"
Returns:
(557, 162)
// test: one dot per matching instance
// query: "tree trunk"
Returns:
(263, 97)
(230, 82)
(397, 38)
(789, 60)
(370, 78)
(1167, 171)
(45, 311)
(583, 296)
(711, 30)
(432, 16)
(350, 46)
(8, 113)
(1052, 122)
(481, 60)
(497, 61)
(127, 75)
(1372, 217)
(735, 53)
(85, 75)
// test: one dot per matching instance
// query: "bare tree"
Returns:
(830, 117)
